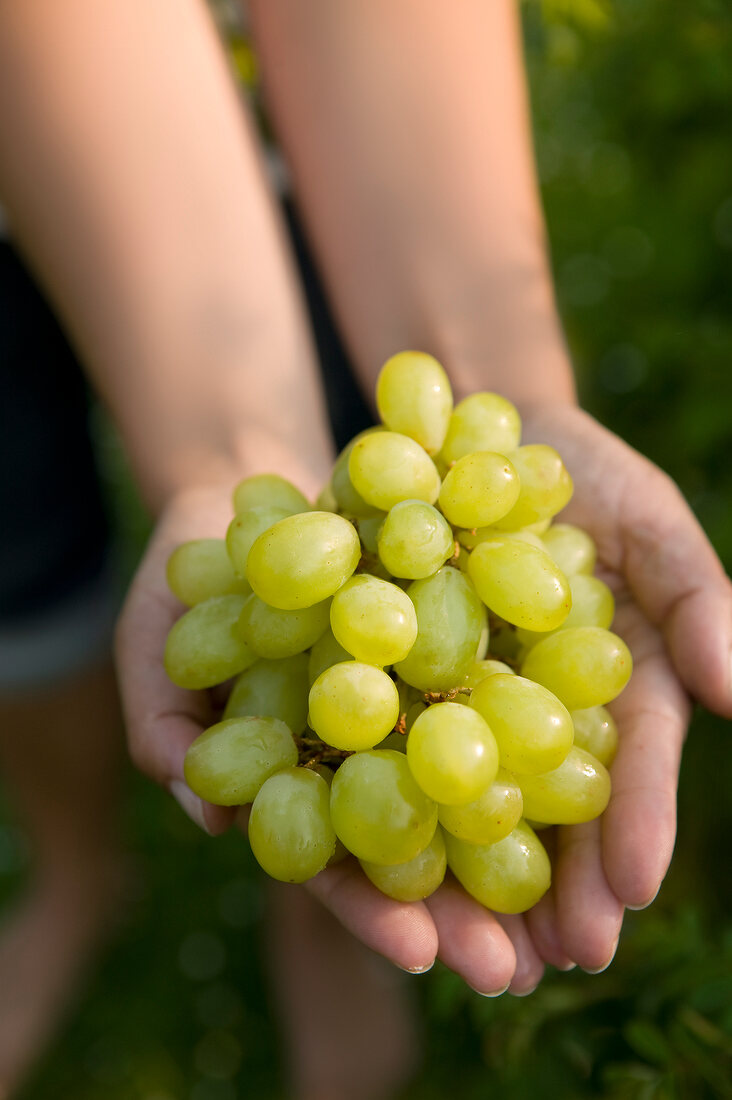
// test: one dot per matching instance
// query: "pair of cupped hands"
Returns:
(674, 610)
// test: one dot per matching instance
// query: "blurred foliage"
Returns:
(666, 1033)
(632, 136)
(631, 103)
(590, 15)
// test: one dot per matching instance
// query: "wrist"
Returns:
(213, 469)
(510, 341)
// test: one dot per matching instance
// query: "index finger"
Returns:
(639, 825)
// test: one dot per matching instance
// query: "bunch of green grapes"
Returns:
(421, 660)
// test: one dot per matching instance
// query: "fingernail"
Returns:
(567, 968)
(523, 992)
(601, 968)
(637, 908)
(416, 969)
(189, 802)
(494, 993)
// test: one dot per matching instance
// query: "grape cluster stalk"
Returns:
(422, 658)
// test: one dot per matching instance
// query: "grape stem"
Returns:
(367, 562)
(445, 696)
(313, 751)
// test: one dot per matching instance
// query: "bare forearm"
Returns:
(407, 128)
(133, 185)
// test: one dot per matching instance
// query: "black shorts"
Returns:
(58, 597)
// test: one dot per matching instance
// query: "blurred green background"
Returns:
(632, 103)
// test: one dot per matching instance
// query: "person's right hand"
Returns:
(674, 609)
(488, 951)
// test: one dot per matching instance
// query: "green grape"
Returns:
(393, 740)
(482, 647)
(584, 666)
(471, 539)
(578, 790)
(200, 569)
(368, 531)
(417, 878)
(489, 817)
(273, 633)
(374, 620)
(278, 689)
(326, 501)
(479, 489)
(505, 646)
(572, 548)
(325, 773)
(378, 810)
(592, 605)
(450, 619)
(509, 876)
(460, 558)
(407, 696)
(481, 422)
(204, 648)
(387, 467)
(325, 653)
(245, 528)
(372, 566)
(440, 465)
(411, 716)
(545, 486)
(229, 762)
(480, 669)
(520, 583)
(303, 559)
(290, 831)
(595, 732)
(537, 528)
(347, 499)
(452, 753)
(269, 491)
(414, 397)
(353, 705)
(415, 540)
(533, 730)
